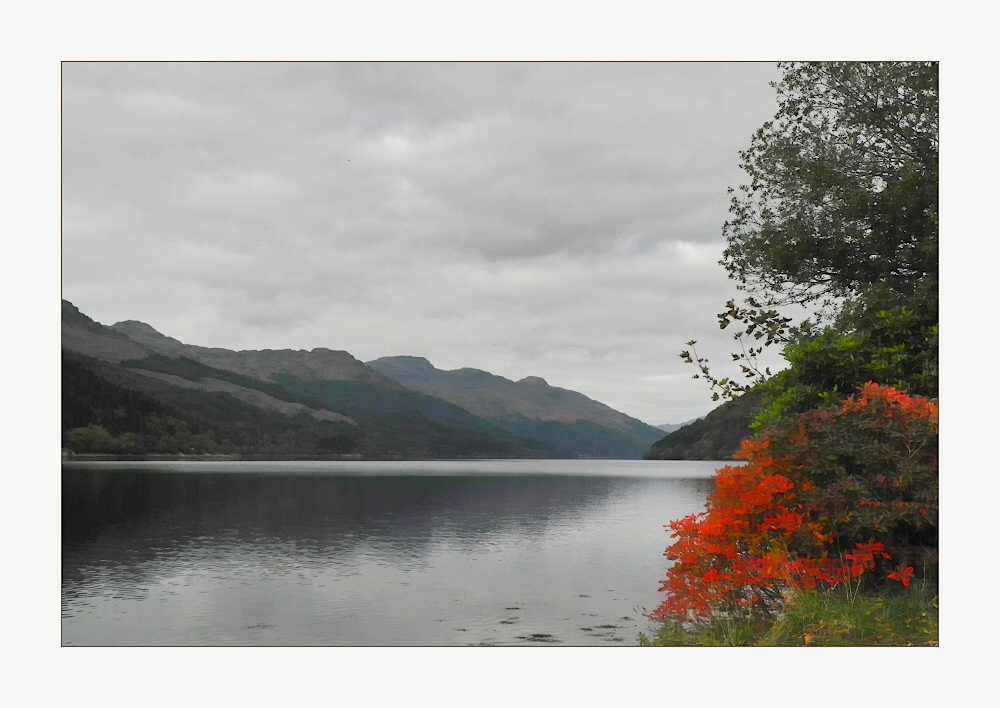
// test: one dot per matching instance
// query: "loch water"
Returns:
(502, 552)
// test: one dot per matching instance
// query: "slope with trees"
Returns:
(130, 390)
(568, 421)
(123, 397)
(717, 436)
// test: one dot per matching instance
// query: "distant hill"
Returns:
(567, 420)
(130, 390)
(717, 436)
(671, 427)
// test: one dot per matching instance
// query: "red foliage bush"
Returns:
(832, 496)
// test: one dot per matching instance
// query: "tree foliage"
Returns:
(876, 338)
(843, 184)
(840, 214)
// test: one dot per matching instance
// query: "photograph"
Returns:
(499, 354)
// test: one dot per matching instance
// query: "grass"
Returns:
(895, 617)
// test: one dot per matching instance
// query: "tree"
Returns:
(843, 185)
(93, 438)
(841, 211)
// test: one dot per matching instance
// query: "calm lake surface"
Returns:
(511, 552)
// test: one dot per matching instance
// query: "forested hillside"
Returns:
(124, 397)
(129, 390)
(568, 421)
(717, 436)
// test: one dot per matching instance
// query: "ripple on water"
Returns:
(192, 559)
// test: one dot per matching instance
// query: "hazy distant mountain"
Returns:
(671, 427)
(130, 390)
(566, 419)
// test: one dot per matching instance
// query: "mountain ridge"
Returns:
(319, 364)
(467, 386)
(530, 406)
(288, 402)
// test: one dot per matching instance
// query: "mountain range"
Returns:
(130, 390)
(671, 427)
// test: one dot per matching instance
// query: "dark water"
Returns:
(430, 553)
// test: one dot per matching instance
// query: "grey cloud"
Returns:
(561, 220)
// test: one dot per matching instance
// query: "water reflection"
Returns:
(163, 557)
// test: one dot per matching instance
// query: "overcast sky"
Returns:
(560, 220)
